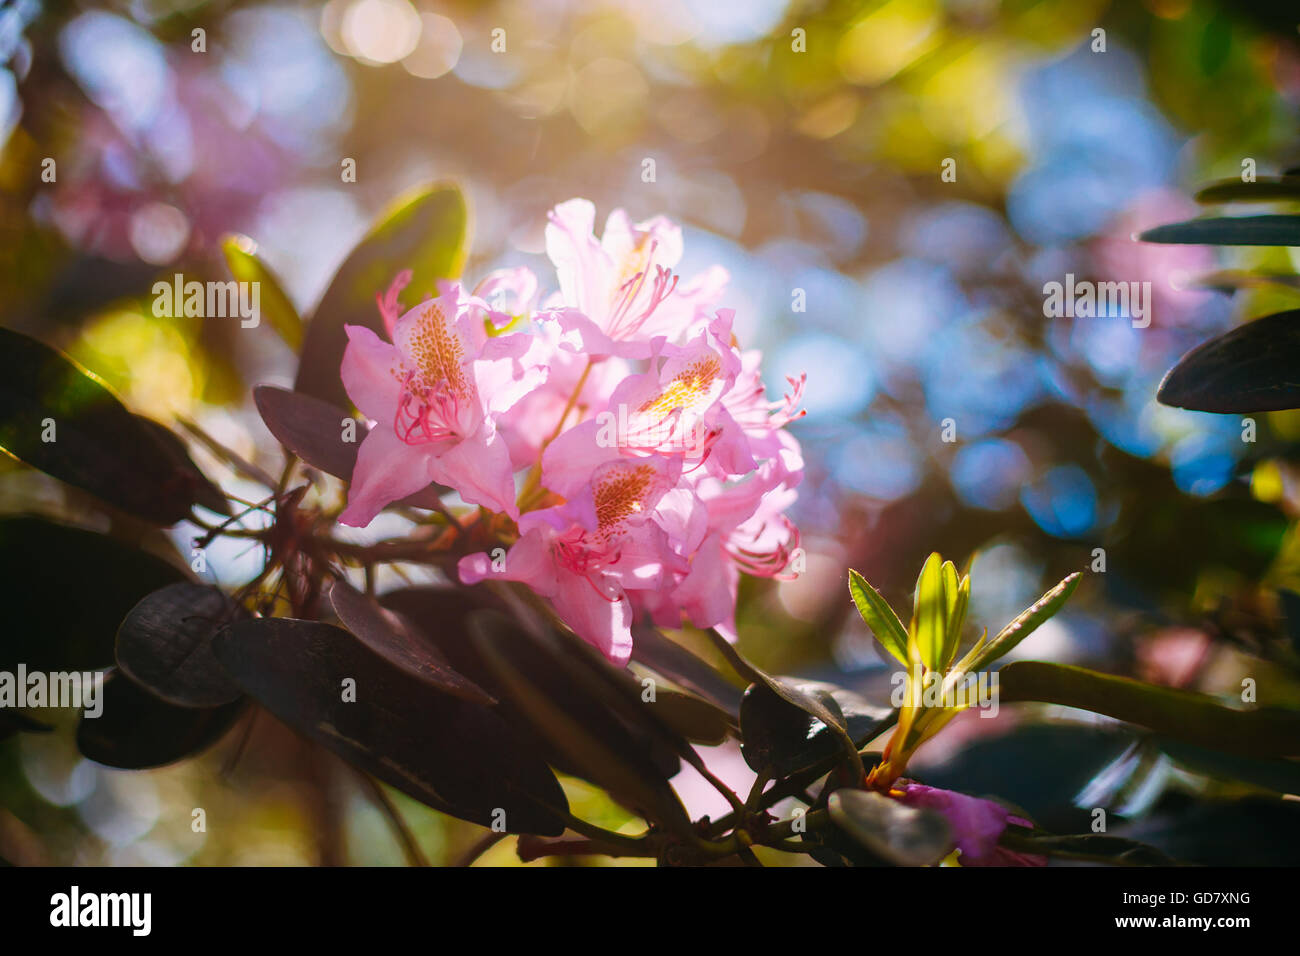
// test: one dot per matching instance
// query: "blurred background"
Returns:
(801, 145)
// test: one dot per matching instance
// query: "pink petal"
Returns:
(387, 469)
(479, 468)
(372, 372)
(600, 619)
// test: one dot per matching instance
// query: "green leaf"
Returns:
(1181, 714)
(165, 645)
(1249, 369)
(879, 616)
(246, 266)
(425, 231)
(957, 594)
(1229, 231)
(1027, 622)
(454, 755)
(65, 591)
(98, 445)
(902, 835)
(1286, 188)
(137, 730)
(930, 614)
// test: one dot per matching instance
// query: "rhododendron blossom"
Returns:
(433, 393)
(655, 469)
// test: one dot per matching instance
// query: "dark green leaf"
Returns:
(454, 755)
(811, 704)
(137, 730)
(905, 836)
(16, 722)
(601, 732)
(1253, 831)
(313, 430)
(683, 667)
(1253, 368)
(165, 645)
(783, 739)
(1261, 190)
(425, 232)
(692, 717)
(1181, 714)
(99, 446)
(1282, 776)
(65, 591)
(1098, 847)
(205, 493)
(397, 641)
(1231, 231)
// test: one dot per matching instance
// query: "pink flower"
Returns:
(533, 419)
(588, 554)
(976, 824)
(619, 292)
(674, 409)
(628, 401)
(433, 394)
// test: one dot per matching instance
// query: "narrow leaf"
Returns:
(1027, 621)
(930, 613)
(1230, 231)
(879, 616)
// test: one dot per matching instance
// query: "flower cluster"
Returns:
(655, 470)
